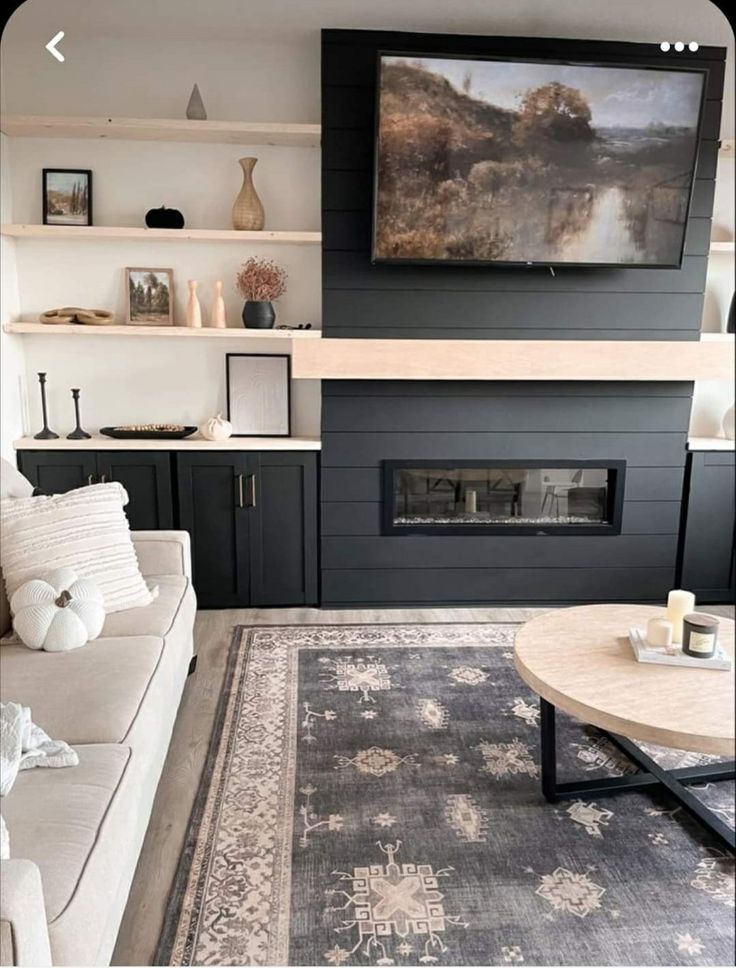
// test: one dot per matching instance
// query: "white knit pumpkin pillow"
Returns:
(58, 612)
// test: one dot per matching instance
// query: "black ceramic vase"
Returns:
(258, 315)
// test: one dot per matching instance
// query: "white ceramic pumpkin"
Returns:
(216, 428)
(58, 612)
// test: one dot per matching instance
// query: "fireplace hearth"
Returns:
(503, 497)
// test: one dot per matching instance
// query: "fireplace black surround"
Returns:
(366, 423)
(476, 497)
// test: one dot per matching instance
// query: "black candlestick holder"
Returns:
(77, 433)
(45, 433)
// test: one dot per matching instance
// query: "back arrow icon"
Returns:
(51, 46)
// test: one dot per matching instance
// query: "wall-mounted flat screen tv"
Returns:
(487, 161)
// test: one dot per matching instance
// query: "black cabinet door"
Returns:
(283, 530)
(58, 471)
(709, 527)
(213, 496)
(146, 476)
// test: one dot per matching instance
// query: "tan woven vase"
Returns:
(248, 214)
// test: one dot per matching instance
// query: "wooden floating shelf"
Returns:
(440, 359)
(100, 442)
(81, 233)
(710, 443)
(168, 332)
(161, 129)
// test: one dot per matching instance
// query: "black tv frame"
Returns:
(489, 264)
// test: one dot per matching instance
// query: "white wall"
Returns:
(12, 361)
(179, 381)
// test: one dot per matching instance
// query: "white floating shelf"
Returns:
(81, 233)
(162, 129)
(167, 332)
(722, 247)
(99, 442)
(717, 337)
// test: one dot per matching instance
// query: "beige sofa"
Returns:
(76, 833)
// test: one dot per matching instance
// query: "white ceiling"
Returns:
(298, 21)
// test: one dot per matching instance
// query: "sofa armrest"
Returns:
(23, 929)
(163, 552)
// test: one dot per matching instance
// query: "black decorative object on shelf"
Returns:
(77, 433)
(164, 218)
(45, 433)
(149, 432)
(730, 320)
(258, 314)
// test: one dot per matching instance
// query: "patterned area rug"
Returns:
(372, 797)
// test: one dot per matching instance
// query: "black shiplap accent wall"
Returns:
(364, 423)
(361, 300)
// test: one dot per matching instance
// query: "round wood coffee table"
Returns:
(579, 660)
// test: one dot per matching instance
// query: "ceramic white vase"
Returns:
(248, 214)
(217, 319)
(729, 423)
(194, 310)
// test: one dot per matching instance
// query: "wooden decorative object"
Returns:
(218, 319)
(194, 310)
(248, 211)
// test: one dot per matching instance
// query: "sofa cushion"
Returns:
(156, 618)
(54, 818)
(85, 529)
(89, 695)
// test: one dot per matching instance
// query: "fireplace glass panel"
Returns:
(499, 496)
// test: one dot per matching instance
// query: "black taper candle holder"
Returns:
(77, 433)
(45, 433)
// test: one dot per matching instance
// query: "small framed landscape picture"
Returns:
(67, 196)
(150, 297)
(258, 394)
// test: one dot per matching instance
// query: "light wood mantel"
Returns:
(422, 359)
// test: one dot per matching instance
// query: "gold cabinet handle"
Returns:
(241, 500)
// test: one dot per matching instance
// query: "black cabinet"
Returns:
(147, 479)
(213, 509)
(708, 540)
(253, 522)
(145, 476)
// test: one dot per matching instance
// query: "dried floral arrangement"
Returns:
(261, 280)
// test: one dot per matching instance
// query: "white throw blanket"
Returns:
(24, 745)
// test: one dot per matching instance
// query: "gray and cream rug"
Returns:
(372, 797)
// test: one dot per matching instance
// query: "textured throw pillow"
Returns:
(86, 530)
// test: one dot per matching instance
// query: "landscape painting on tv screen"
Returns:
(528, 162)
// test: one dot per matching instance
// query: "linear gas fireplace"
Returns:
(503, 497)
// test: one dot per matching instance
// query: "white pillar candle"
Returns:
(679, 604)
(471, 502)
(659, 632)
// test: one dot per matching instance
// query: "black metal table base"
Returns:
(652, 777)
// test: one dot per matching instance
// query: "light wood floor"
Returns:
(144, 914)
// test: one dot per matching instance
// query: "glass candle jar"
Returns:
(699, 635)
